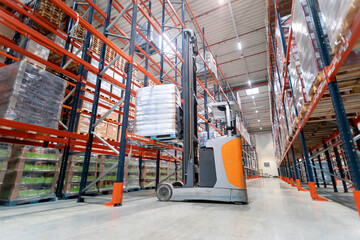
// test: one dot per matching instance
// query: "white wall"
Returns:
(265, 151)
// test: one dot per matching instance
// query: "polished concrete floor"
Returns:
(275, 211)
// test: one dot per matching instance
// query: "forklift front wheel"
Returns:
(164, 192)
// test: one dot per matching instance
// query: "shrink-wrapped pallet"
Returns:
(155, 38)
(30, 95)
(210, 61)
(338, 16)
(157, 111)
(290, 111)
(307, 45)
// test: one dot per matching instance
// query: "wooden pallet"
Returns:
(52, 14)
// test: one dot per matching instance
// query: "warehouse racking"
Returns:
(314, 137)
(87, 60)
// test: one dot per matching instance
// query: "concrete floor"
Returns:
(275, 211)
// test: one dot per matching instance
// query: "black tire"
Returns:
(164, 192)
(177, 184)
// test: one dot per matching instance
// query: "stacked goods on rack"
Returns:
(171, 172)
(52, 14)
(283, 129)
(280, 57)
(290, 112)
(338, 17)
(158, 112)
(105, 103)
(132, 179)
(30, 95)
(154, 38)
(5, 152)
(110, 54)
(39, 51)
(210, 61)
(301, 98)
(7, 33)
(148, 174)
(56, 57)
(74, 170)
(105, 163)
(31, 174)
(164, 170)
(307, 45)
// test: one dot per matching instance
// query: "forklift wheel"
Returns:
(164, 192)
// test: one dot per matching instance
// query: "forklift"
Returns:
(214, 172)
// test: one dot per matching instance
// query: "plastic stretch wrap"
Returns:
(154, 38)
(290, 110)
(133, 174)
(157, 110)
(38, 50)
(296, 82)
(307, 46)
(337, 16)
(30, 95)
(280, 57)
(210, 61)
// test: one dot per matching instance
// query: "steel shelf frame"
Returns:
(69, 141)
(329, 82)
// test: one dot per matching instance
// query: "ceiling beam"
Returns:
(265, 69)
(240, 35)
(237, 59)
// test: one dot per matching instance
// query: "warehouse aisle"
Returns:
(275, 211)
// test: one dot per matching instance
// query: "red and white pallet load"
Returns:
(290, 111)
(301, 97)
(338, 16)
(280, 57)
(304, 34)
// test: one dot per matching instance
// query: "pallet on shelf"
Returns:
(52, 14)
(74, 170)
(31, 175)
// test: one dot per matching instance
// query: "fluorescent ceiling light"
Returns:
(256, 111)
(239, 45)
(259, 120)
(252, 91)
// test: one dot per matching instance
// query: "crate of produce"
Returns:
(74, 170)
(30, 95)
(105, 163)
(132, 179)
(31, 174)
(5, 153)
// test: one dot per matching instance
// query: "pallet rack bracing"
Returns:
(69, 141)
(335, 76)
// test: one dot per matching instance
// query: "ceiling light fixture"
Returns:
(249, 83)
(256, 111)
(260, 128)
(252, 91)
(259, 120)
(239, 45)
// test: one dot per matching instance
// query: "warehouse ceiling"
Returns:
(239, 66)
